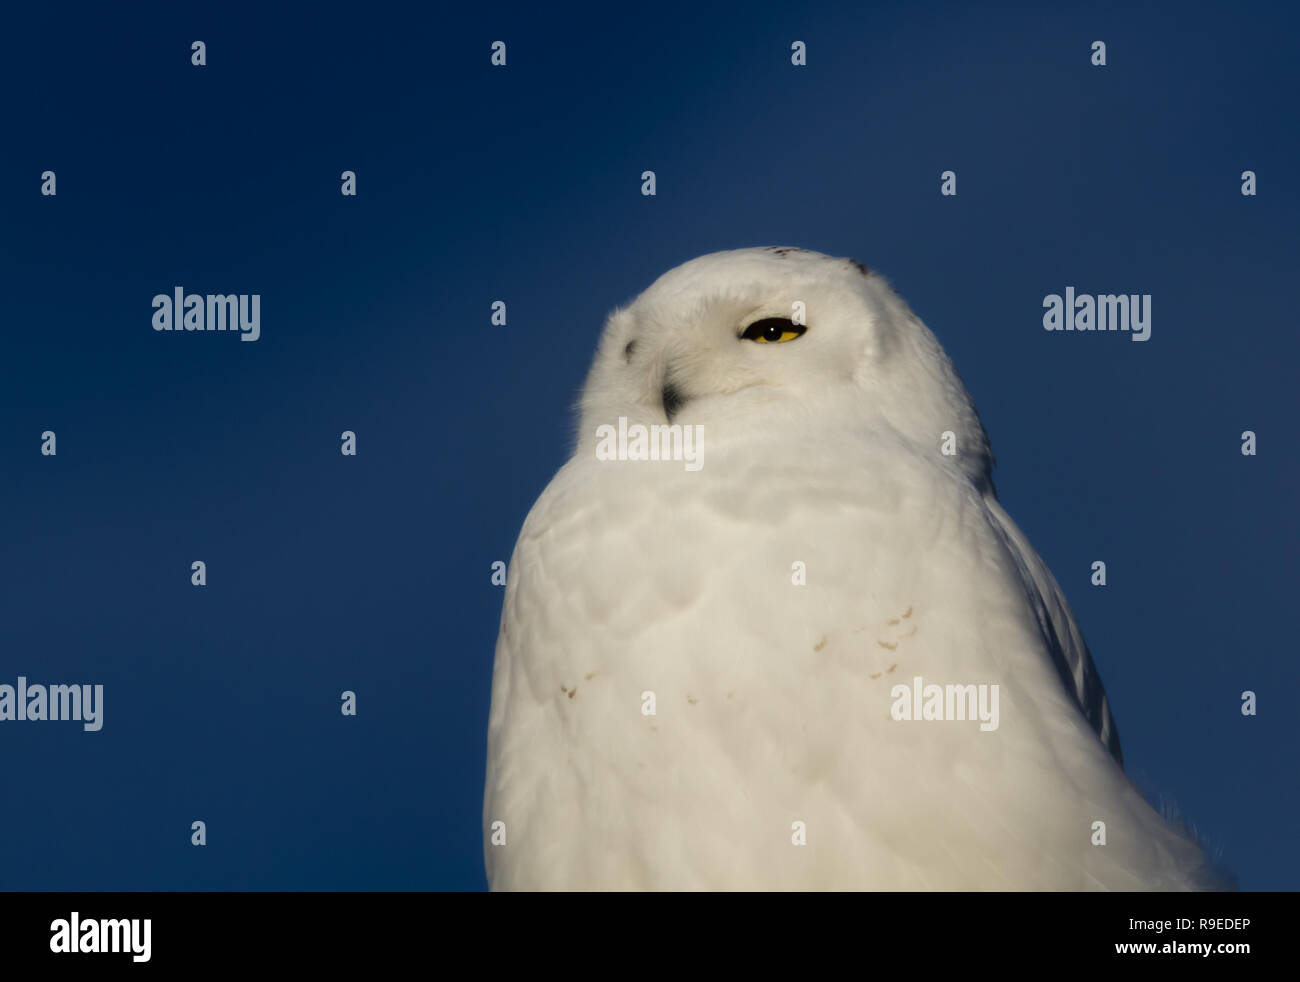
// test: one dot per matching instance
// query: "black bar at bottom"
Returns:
(169, 932)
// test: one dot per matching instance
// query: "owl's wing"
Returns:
(553, 614)
(1061, 632)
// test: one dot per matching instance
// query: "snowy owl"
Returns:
(769, 627)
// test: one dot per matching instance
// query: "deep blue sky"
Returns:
(523, 184)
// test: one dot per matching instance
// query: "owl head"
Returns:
(784, 339)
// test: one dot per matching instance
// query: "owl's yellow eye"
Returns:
(773, 330)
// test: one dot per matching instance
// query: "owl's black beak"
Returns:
(673, 398)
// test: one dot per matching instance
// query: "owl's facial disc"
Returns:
(763, 331)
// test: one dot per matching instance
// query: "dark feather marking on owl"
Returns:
(627, 351)
(859, 267)
(673, 400)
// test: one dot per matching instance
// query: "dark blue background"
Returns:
(523, 184)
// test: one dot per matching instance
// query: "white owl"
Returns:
(810, 652)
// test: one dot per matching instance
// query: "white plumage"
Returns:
(773, 699)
